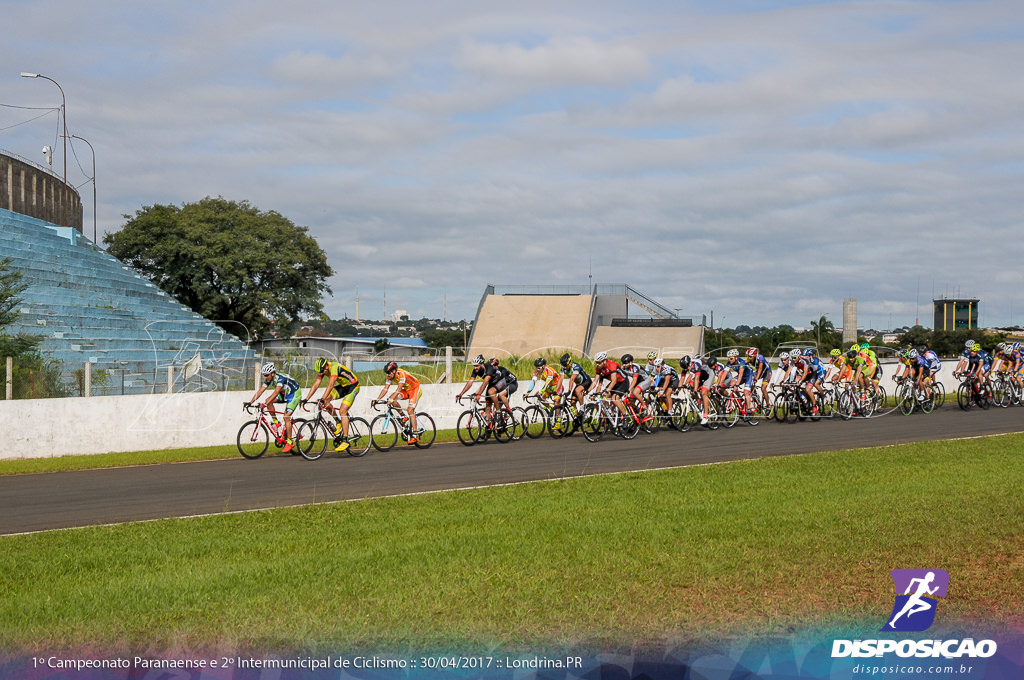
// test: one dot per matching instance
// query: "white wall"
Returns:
(39, 428)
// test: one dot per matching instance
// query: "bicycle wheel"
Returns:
(502, 427)
(253, 439)
(560, 423)
(963, 396)
(729, 412)
(535, 421)
(926, 404)
(383, 433)
(650, 420)
(628, 427)
(792, 408)
(359, 438)
(905, 398)
(593, 422)
(846, 406)
(426, 431)
(311, 438)
(469, 427)
(940, 394)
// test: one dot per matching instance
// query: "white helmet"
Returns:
(600, 356)
(733, 353)
(268, 368)
(968, 344)
(784, 356)
(658, 362)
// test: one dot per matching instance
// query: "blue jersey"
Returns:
(288, 384)
(933, 361)
(761, 364)
(575, 368)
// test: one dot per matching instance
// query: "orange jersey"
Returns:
(405, 381)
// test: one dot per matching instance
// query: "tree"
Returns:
(11, 288)
(247, 270)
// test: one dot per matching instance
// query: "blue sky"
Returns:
(763, 160)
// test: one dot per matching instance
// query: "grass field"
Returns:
(624, 561)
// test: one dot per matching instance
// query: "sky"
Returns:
(755, 159)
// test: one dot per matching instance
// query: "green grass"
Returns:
(762, 546)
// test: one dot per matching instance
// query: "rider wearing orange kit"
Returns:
(408, 388)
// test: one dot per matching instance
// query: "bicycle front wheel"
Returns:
(593, 422)
(311, 437)
(383, 433)
(253, 439)
(469, 428)
(535, 421)
(426, 431)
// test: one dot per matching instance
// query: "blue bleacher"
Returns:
(89, 307)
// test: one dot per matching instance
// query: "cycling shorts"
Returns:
(291, 402)
(412, 397)
(673, 383)
(346, 393)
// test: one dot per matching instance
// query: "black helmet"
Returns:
(540, 362)
(627, 358)
(684, 363)
(390, 366)
(564, 359)
(851, 354)
(493, 362)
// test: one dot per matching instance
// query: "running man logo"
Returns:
(914, 609)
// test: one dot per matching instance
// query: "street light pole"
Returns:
(93, 183)
(64, 108)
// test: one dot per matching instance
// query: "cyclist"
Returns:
(607, 369)
(342, 383)
(489, 376)
(979, 363)
(577, 379)
(872, 358)
(762, 373)
(666, 380)
(805, 374)
(705, 376)
(547, 382)
(934, 366)
(639, 380)
(961, 365)
(408, 388)
(740, 373)
(285, 391)
(838, 363)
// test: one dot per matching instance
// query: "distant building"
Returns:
(955, 314)
(849, 320)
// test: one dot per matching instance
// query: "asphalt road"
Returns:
(60, 500)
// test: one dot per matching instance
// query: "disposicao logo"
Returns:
(917, 593)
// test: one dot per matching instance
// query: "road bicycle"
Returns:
(254, 436)
(538, 417)
(911, 396)
(476, 425)
(687, 410)
(972, 392)
(1005, 390)
(733, 407)
(386, 428)
(603, 415)
(317, 433)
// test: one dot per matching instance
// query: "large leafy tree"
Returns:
(248, 270)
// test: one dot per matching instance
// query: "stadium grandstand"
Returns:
(90, 309)
(528, 321)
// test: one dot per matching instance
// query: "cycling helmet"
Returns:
(684, 363)
(969, 344)
(733, 353)
(836, 352)
(854, 348)
(652, 355)
(320, 365)
(600, 356)
(658, 362)
(268, 368)
(1001, 347)
(390, 366)
(851, 354)
(865, 346)
(784, 356)
(541, 362)
(911, 353)
(478, 360)
(751, 352)
(976, 347)
(1016, 346)
(627, 359)
(809, 352)
(564, 359)
(493, 362)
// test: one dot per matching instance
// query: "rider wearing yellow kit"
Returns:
(342, 383)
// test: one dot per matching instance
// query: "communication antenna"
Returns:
(357, 303)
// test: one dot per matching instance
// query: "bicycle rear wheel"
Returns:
(359, 438)
(560, 424)
(426, 430)
(253, 439)
(383, 433)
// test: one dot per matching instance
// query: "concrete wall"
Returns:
(33, 191)
(671, 342)
(60, 427)
(530, 325)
